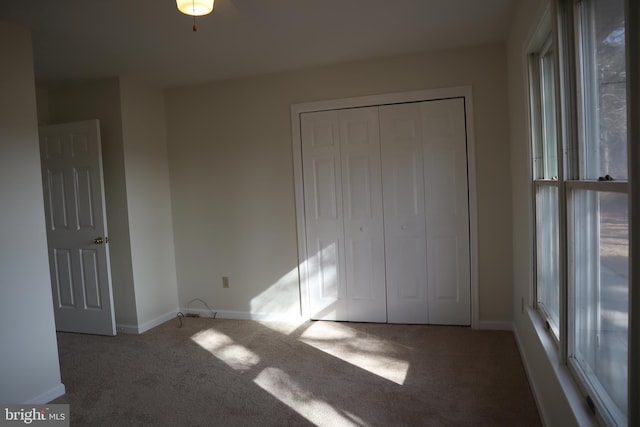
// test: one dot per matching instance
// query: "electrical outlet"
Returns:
(225, 281)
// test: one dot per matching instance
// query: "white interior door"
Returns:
(324, 215)
(447, 211)
(343, 215)
(404, 213)
(363, 216)
(426, 212)
(76, 227)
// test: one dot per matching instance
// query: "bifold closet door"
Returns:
(426, 212)
(344, 215)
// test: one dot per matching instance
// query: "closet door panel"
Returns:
(363, 217)
(404, 214)
(447, 211)
(322, 177)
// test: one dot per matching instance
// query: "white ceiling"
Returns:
(150, 40)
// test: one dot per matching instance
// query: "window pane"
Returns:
(548, 279)
(604, 118)
(601, 294)
(549, 117)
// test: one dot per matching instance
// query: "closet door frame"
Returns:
(372, 101)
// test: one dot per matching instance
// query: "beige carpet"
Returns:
(246, 373)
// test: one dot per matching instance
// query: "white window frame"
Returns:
(540, 45)
(632, 11)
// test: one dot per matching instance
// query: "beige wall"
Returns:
(232, 174)
(101, 100)
(148, 201)
(29, 369)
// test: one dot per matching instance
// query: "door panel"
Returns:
(325, 190)
(359, 191)
(75, 216)
(363, 218)
(404, 214)
(448, 262)
(406, 256)
(343, 202)
(324, 215)
(361, 255)
(441, 182)
(84, 198)
(63, 280)
(442, 256)
(328, 263)
(426, 212)
(55, 186)
(90, 281)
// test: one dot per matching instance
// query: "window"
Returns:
(581, 197)
(600, 283)
(545, 182)
(598, 244)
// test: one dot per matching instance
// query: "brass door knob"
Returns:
(98, 240)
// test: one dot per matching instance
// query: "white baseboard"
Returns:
(157, 321)
(49, 395)
(237, 315)
(126, 329)
(143, 327)
(242, 315)
(495, 325)
(245, 315)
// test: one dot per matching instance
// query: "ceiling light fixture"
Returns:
(195, 8)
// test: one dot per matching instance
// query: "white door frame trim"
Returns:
(376, 100)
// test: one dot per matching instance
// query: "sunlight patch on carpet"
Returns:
(383, 358)
(280, 385)
(226, 349)
(283, 327)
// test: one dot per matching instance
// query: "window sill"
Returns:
(569, 388)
